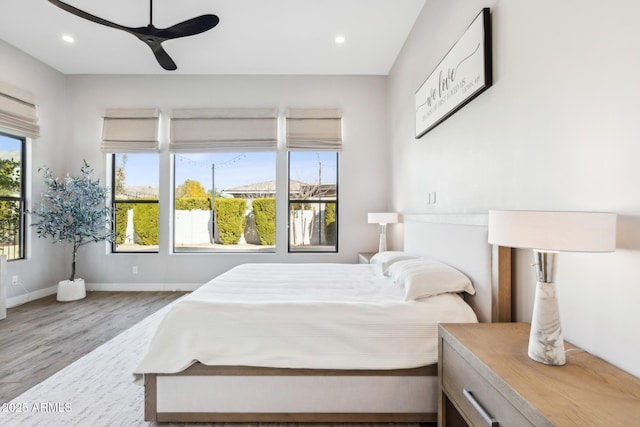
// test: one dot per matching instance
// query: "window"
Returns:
(135, 178)
(131, 137)
(12, 201)
(242, 218)
(313, 201)
(314, 138)
(224, 179)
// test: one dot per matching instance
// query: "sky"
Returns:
(9, 148)
(231, 169)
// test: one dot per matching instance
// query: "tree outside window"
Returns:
(313, 201)
(224, 202)
(12, 196)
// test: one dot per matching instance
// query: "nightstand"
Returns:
(487, 379)
(365, 257)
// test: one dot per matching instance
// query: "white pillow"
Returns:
(424, 278)
(388, 258)
(399, 270)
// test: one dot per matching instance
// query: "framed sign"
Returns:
(463, 74)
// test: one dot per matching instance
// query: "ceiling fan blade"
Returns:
(162, 56)
(190, 27)
(150, 35)
(88, 16)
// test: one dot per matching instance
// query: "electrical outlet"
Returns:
(134, 270)
(14, 280)
(431, 198)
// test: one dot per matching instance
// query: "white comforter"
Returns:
(322, 316)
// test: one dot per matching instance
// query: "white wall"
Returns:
(70, 112)
(364, 175)
(558, 130)
(45, 265)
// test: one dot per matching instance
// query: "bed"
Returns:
(279, 367)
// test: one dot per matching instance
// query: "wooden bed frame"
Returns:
(242, 393)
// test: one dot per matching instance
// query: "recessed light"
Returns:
(69, 39)
(340, 39)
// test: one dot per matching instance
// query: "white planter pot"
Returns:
(71, 290)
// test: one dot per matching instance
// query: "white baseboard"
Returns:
(30, 296)
(113, 287)
(120, 287)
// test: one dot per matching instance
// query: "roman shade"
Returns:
(314, 129)
(235, 129)
(127, 130)
(18, 115)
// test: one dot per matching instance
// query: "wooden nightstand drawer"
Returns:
(490, 360)
(474, 397)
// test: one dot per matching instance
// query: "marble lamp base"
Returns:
(382, 246)
(546, 344)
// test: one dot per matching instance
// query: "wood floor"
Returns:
(41, 337)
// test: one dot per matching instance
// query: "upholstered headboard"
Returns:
(460, 240)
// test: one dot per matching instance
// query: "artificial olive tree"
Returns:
(74, 210)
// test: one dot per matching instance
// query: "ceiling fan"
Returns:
(150, 35)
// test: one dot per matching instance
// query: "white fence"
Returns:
(194, 228)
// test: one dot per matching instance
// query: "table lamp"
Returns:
(383, 218)
(549, 232)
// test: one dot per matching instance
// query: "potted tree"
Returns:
(73, 210)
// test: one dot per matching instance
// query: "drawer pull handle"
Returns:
(478, 407)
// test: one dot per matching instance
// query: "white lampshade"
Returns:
(547, 232)
(554, 231)
(383, 218)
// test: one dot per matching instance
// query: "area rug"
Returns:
(98, 389)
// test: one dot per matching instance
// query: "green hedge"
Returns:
(145, 223)
(121, 221)
(230, 219)
(9, 221)
(193, 203)
(330, 230)
(264, 211)
(299, 206)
